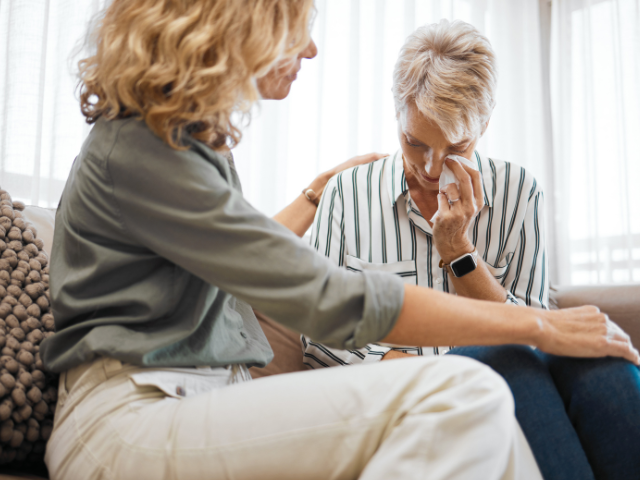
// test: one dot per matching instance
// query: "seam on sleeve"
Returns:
(118, 209)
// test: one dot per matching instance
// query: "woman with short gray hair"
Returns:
(448, 70)
(440, 215)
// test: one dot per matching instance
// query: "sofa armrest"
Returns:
(620, 302)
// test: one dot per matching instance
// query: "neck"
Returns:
(426, 201)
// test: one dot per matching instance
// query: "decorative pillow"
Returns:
(28, 394)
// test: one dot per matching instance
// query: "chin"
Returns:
(282, 93)
(279, 93)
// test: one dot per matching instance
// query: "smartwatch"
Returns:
(462, 265)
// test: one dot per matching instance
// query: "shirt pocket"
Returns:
(499, 272)
(405, 269)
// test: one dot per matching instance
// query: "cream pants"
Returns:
(423, 418)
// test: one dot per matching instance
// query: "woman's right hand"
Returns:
(583, 332)
(298, 216)
(354, 162)
(321, 181)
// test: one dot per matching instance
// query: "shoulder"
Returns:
(501, 177)
(358, 179)
(129, 147)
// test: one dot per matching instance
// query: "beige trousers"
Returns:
(424, 418)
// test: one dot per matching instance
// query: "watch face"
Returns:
(466, 264)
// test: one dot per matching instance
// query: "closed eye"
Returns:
(459, 148)
(408, 142)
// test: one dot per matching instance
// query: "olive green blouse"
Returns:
(158, 260)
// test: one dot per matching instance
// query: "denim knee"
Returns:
(594, 377)
(502, 356)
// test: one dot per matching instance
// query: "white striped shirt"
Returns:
(366, 220)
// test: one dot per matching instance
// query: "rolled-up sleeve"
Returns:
(182, 206)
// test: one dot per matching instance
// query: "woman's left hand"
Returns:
(457, 207)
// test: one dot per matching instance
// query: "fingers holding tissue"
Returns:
(447, 176)
(452, 192)
(452, 187)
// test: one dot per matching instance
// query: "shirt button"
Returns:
(181, 391)
(438, 281)
(243, 335)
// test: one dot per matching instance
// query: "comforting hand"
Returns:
(572, 332)
(456, 210)
(321, 181)
(583, 332)
(354, 162)
(298, 215)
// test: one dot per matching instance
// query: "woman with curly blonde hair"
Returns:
(158, 261)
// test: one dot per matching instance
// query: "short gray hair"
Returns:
(449, 70)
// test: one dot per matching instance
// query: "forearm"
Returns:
(480, 285)
(451, 320)
(298, 215)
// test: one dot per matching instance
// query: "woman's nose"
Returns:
(434, 165)
(310, 51)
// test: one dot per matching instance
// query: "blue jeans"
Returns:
(580, 416)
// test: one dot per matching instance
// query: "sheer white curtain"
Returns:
(341, 104)
(41, 128)
(596, 116)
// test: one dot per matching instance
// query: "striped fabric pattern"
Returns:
(367, 221)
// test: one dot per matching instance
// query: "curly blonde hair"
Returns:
(188, 65)
(449, 70)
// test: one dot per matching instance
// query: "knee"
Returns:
(453, 373)
(475, 379)
(600, 377)
(501, 356)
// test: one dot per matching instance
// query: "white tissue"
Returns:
(447, 177)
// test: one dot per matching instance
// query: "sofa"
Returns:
(620, 302)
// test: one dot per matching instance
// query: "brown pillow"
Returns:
(28, 394)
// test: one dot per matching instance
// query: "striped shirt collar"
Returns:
(397, 183)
